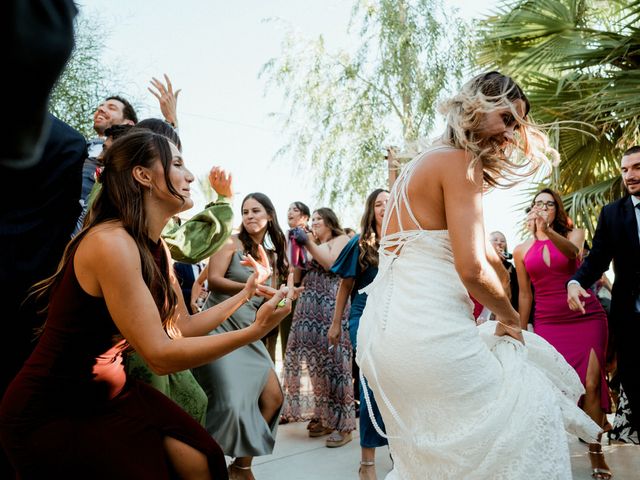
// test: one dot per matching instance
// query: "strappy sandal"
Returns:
(336, 439)
(599, 473)
(361, 471)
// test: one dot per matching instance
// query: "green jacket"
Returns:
(202, 235)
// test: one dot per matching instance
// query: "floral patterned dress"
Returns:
(317, 381)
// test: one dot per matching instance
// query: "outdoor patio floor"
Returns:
(298, 457)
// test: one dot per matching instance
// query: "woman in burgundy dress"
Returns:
(71, 412)
(547, 261)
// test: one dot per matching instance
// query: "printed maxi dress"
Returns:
(317, 381)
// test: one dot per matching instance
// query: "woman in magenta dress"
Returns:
(547, 261)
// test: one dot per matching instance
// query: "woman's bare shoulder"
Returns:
(340, 241)
(232, 243)
(106, 251)
(522, 248)
(109, 237)
(227, 249)
(443, 161)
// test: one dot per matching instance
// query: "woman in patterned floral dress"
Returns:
(317, 377)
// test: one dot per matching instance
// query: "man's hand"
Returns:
(574, 294)
(167, 98)
(221, 182)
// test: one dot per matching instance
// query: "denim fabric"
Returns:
(369, 438)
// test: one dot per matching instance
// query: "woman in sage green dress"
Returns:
(244, 393)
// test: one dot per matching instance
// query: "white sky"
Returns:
(214, 50)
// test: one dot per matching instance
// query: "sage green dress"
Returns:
(181, 387)
(193, 241)
(234, 382)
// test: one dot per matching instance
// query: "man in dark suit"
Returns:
(617, 238)
(37, 216)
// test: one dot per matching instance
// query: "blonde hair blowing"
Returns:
(501, 166)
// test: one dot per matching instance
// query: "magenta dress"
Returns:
(573, 334)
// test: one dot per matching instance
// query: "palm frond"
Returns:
(584, 205)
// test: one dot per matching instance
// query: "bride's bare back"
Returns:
(419, 201)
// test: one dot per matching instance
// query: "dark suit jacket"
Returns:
(186, 277)
(39, 207)
(616, 239)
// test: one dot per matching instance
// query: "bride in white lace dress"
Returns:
(460, 401)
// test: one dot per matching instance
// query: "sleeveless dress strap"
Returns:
(390, 245)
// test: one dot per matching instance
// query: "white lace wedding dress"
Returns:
(458, 402)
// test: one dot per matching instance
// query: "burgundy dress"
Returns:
(72, 413)
(573, 334)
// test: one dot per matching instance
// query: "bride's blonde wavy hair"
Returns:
(465, 113)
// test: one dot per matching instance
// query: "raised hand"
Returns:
(265, 291)
(268, 292)
(575, 293)
(300, 235)
(542, 221)
(530, 222)
(167, 97)
(261, 268)
(221, 182)
(271, 313)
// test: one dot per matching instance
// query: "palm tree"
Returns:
(579, 62)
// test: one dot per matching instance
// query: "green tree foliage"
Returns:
(343, 109)
(85, 81)
(579, 62)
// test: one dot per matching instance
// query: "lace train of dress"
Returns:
(457, 401)
(478, 406)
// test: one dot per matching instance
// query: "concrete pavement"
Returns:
(298, 457)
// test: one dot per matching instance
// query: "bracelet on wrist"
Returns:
(517, 328)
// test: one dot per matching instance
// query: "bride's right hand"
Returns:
(506, 326)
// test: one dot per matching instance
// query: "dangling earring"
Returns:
(150, 190)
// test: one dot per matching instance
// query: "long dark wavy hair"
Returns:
(331, 221)
(369, 241)
(274, 232)
(562, 223)
(121, 200)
